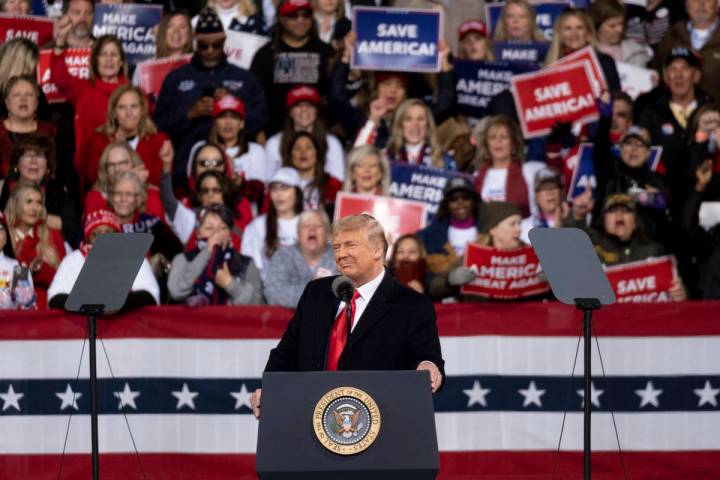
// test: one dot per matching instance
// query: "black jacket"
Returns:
(397, 331)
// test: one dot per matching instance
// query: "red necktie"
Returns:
(338, 336)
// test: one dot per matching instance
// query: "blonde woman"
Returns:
(128, 119)
(517, 23)
(238, 16)
(502, 172)
(37, 246)
(574, 30)
(367, 171)
(413, 139)
(119, 157)
(330, 19)
(175, 35)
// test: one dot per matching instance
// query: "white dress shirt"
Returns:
(366, 292)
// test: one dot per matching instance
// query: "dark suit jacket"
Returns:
(396, 331)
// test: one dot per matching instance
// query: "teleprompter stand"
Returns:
(102, 288)
(577, 278)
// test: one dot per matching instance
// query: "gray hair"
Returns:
(307, 214)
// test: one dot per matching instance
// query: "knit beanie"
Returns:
(208, 22)
(492, 213)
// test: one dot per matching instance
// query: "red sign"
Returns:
(504, 274)
(588, 54)
(152, 73)
(38, 30)
(646, 281)
(396, 215)
(561, 94)
(78, 63)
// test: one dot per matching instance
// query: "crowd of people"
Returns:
(236, 171)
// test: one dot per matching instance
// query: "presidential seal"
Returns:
(346, 420)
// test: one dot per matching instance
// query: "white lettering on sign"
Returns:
(552, 91)
(636, 285)
(389, 47)
(29, 34)
(397, 30)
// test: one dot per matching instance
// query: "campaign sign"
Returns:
(396, 39)
(397, 216)
(38, 30)
(153, 72)
(578, 167)
(78, 64)
(636, 80)
(545, 15)
(646, 281)
(476, 83)
(240, 47)
(585, 54)
(503, 274)
(560, 94)
(420, 183)
(133, 24)
(532, 52)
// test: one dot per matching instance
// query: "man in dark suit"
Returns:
(393, 327)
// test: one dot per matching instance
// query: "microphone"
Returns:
(343, 288)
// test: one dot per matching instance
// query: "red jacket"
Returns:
(44, 276)
(148, 148)
(7, 144)
(90, 100)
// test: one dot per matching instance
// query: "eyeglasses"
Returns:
(462, 197)
(622, 114)
(304, 14)
(124, 194)
(214, 45)
(33, 156)
(210, 162)
(205, 191)
(121, 163)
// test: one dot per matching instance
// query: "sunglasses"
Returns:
(304, 14)
(210, 162)
(214, 45)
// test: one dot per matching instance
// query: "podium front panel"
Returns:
(405, 446)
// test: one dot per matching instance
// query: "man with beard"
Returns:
(80, 15)
(294, 56)
(185, 104)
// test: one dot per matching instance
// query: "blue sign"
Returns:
(417, 182)
(546, 13)
(396, 39)
(583, 174)
(476, 83)
(134, 25)
(534, 52)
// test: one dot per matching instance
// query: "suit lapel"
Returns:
(375, 311)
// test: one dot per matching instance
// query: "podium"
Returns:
(347, 424)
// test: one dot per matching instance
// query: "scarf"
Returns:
(516, 191)
(204, 290)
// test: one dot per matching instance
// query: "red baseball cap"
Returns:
(288, 7)
(472, 26)
(228, 103)
(302, 93)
